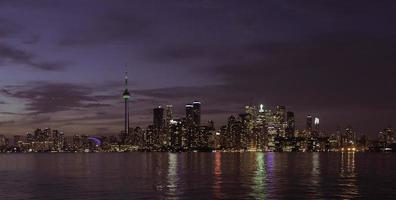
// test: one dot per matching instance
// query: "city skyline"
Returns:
(257, 129)
(57, 71)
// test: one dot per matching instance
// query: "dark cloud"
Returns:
(342, 67)
(14, 55)
(5, 123)
(332, 70)
(8, 28)
(31, 39)
(10, 113)
(106, 28)
(53, 97)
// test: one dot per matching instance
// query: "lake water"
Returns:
(198, 176)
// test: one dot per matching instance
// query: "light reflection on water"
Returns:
(258, 188)
(197, 176)
(348, 176)
(218, 193)
(172, 174)
(315, 175)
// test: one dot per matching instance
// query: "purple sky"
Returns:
(62, 62)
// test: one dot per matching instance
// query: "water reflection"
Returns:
(221, 176)
(218, 193)
(315, 174)
(348, 176)
(259, 176)
(172, 176)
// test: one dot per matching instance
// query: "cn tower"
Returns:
(125, 96)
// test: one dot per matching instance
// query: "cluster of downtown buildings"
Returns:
(257, 129)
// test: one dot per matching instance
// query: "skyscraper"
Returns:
(189, 114)
(280, 112)
(308, 126)
(193, 114)
(168, 115)
(125, 96)
(291, 124)
(158, 117)
(197, 113)
(316, 127)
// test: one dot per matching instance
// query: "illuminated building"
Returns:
(177, 135)
(250, 122)
(386, 139)
(308, 126)
(251, 117)
(260, 121)
(315, 130)
(168, 115)
(348, 139)
(280, 112)
(190, 128)
(193, 114)
(193, 122)
(167, 135)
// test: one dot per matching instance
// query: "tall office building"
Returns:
(189, 114)
(309, 122)
(350, 137)
(251, 117)
(158, 117)
(193, 114)
(280, 112)
(126, 95)
(316, 127)
(291, 124)
(386, 137)
(389, 135)
(168, 115)
(197, 113)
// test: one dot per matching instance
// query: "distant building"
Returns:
(348, 138)
(386, 138)
(189, 114)
(168, 115)
(291, 124)
(308, 126)
(280, 113)
(158, 117)
(316, 130)
(197, 113)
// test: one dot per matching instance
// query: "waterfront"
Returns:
(220, 175)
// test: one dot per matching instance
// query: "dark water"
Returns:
(198, 176)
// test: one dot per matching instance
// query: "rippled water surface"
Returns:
(198, 176)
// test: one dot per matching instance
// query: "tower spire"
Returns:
(126, 76)
(126, 80)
